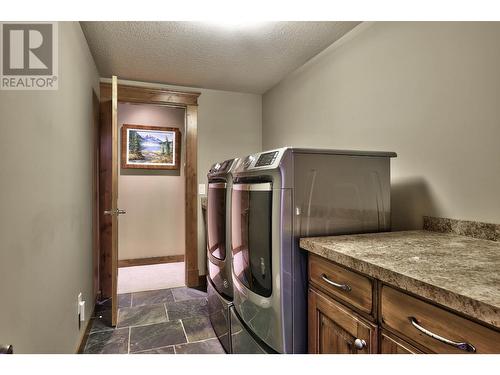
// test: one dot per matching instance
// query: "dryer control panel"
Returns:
(267, 158)
(262, 160)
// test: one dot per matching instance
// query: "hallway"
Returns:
(150, 277)
(166, 321)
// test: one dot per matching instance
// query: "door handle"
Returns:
(117, 212)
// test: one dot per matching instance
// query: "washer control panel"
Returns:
(221, 167)
(267, 158)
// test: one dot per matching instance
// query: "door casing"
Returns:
(108, 264)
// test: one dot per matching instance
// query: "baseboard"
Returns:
(86, 333)
(149, 261)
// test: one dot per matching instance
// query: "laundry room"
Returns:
(240, 181)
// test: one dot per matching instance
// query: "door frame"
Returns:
(189, 101)
(95, 196)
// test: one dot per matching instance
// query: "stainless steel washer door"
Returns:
(218, 253)
(251, 236)
(216, 220)
(255, 232)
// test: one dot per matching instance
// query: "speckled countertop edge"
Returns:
(480, 310)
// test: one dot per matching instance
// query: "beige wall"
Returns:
(429, 91)
(46, 211)
(229, 125)
(154, 200)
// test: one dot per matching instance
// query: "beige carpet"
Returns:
(153, 277)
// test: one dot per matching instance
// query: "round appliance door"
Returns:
(251, 210)
(216, 220)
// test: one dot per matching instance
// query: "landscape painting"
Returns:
(150, 147)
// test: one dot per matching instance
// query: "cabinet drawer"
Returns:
(434, 328)
(351, 287)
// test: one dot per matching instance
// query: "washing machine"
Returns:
(219, 280)
(277, 197)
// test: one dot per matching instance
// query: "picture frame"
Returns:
(150, 147)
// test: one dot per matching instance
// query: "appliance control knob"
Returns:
(248, 161)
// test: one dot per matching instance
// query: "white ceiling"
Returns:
(200, 54)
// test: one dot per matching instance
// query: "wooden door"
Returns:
(108, 199)
(335, 329)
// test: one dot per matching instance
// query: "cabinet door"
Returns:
(335, 329)
(390, 344)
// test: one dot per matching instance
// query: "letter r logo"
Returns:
(27, 49)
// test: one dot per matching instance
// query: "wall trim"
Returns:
(152, 260)
(150, 95)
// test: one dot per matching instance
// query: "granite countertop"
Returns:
(459, 272)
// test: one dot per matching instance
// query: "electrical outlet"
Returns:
(82, 311)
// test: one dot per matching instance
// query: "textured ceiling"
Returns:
(199, 54)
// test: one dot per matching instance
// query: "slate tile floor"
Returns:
(167, 321)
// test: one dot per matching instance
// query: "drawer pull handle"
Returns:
(465, 346)
(344, 287)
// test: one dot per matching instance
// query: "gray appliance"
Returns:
(278, 197)
(219, 281)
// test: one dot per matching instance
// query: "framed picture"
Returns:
(150, 147)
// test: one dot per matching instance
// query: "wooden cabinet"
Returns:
(335, 329)
(390, 344)
(350, 313)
